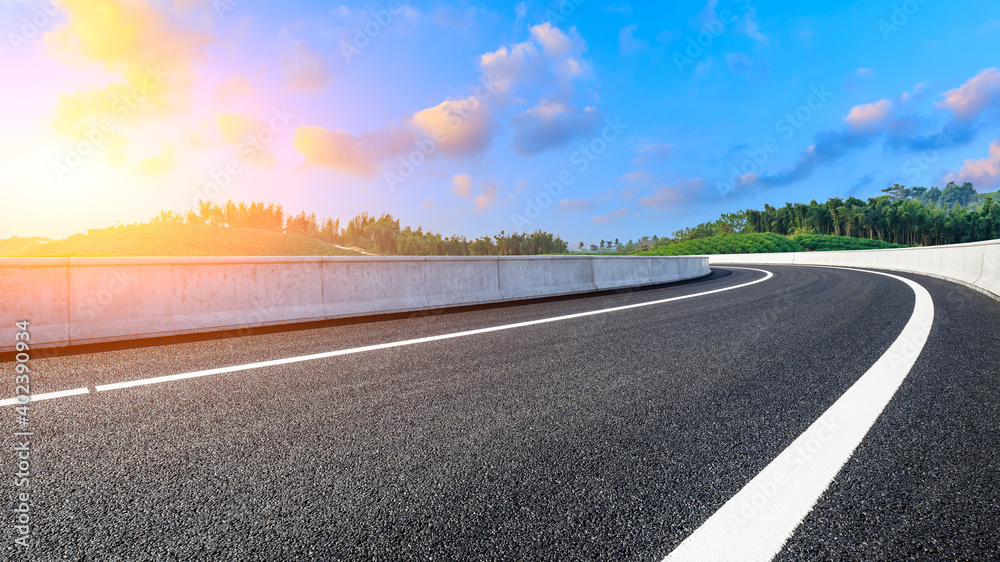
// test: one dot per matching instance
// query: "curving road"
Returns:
(565, 435)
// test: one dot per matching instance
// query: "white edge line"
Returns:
(261, 364)
(755, 524)
(45, 396)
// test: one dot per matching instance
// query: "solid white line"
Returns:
(220, 370)
(45, 396)
(756, 522)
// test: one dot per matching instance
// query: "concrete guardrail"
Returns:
(975, 265)
(75, 301)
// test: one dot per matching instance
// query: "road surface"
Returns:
(606, 427)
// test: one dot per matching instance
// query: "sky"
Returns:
(588, 119)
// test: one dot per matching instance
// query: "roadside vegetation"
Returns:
(173, 240)
(904, 216)
(765, 243)
(259, 229)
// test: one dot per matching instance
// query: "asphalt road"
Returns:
(603, 437)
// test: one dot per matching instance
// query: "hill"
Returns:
(173, 240)
(764, 243)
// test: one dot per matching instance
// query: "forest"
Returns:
(382, 235)
(910, 216)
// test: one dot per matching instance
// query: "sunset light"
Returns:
(651, 280)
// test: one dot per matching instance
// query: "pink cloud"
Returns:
(869, 114)
(461, 185)
(604, 219)
(574, 204)
(488, 197)
(459, 126)
(336, 149)
(672, 195)
(983, 172)
(970, 99)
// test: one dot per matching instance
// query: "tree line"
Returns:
(912, 216)
(382, 235)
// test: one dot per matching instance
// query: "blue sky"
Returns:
(589, 119)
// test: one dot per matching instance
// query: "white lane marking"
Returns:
(258, 365)
(756, 522)
(45, 396)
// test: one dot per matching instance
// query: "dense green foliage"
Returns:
(381, 235)
(727, 244)
(759, 243)
(823, 242)
(905, 216)
(911, 216)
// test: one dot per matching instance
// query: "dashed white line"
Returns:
(44, 396)
(261, 364)
(755, 523)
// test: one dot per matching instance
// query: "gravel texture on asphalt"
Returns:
(925, 482)
(604, 437)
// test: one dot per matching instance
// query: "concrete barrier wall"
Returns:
(975, 265)
(75, 301)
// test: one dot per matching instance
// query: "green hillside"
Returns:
(826, 243)
(764, 243)
(174, 240)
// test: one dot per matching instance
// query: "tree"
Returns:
(902, 215)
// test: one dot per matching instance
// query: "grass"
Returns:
(172, 240)
(765, 243)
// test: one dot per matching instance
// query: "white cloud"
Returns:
(551, 58)
(303, 70)
(918, 89)
(555, 44)
(551, 124)
(627, 41)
